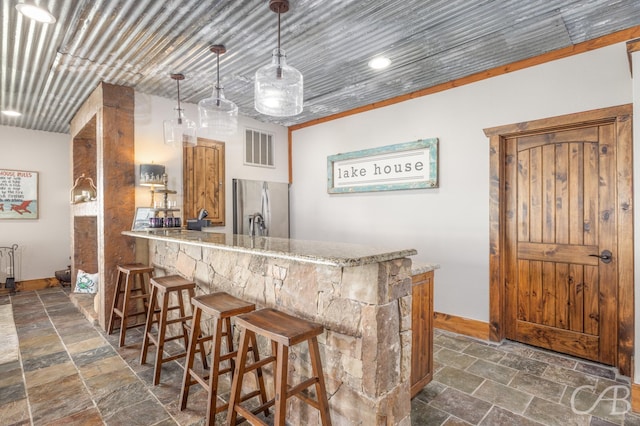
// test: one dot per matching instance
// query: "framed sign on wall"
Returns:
(18, 194)
(410, 165)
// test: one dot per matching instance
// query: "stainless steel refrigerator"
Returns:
(260, 208)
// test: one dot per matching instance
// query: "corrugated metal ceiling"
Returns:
(47, 71)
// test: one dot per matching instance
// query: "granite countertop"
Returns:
(420, 268)
(320, 252)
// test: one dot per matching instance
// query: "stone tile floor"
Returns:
(65, 371)
(483, 383)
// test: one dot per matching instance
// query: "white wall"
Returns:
(151, 111)
(447, 225)
(44, 243)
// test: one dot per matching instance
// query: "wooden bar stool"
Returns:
(132, 283)
(221, 307)
(161, 289)
(284, 331)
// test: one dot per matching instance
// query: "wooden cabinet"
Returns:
(422, 329)
(203, 180)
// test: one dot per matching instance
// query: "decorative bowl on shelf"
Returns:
(83, 190)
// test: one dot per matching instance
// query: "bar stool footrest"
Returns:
(169, 339)
(261, 363)
(202, 380)
(173, 357)
(178, 320)
(138, 296)
(251, 414)
(132, 314)
(307, 399)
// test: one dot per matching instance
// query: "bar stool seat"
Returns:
(132, 283)
(161, 290)
(283, 330)
(221, 307)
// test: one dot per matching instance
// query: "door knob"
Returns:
(605, 256)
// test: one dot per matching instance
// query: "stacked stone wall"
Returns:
(366, 312)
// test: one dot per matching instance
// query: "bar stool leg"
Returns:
(236, 386)
(321, 390)
(203, 352)
(214, 371)
(185, 329)
(116, 299)
(128, 284)
(229, 337)
(162, 331)
(258, 371)
(282, 366)
(191, 354)
(150, 320)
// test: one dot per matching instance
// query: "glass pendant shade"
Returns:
(218, 115)
(180, 131)
(36, 13)
(278, 88)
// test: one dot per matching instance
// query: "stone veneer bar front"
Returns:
(360, 294)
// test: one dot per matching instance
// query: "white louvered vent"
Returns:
(258, 148)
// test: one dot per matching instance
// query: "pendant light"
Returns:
(218, 115)
(180, 130)
(37, 13)
(278, 87)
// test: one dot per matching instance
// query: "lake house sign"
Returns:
(409, 165)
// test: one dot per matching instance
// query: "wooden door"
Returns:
(561, 234)
(204, 180)
(563, 296)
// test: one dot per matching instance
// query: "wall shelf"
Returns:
(87, 208)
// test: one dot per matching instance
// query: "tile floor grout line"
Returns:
(545, 361)
(64, 345)
(24, 377)
(486, 414)
(104, 336)
(538, 409)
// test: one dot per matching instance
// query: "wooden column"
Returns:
(103, 149)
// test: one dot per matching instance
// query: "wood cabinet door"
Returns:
(561, 241)
(204, 180)
(422, 331)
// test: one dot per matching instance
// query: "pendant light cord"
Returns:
(179, 108)
(217, 70)
(279, 70)
(217, 78)
(278, 32)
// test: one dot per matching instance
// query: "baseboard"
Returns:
(461, 325)
(37, 284)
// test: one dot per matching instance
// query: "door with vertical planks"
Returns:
(203, 180)
(561, 241)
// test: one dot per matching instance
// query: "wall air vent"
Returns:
(258, 148)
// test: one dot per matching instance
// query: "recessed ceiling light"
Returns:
(11, 113)
(36, 13)
(379, 62)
